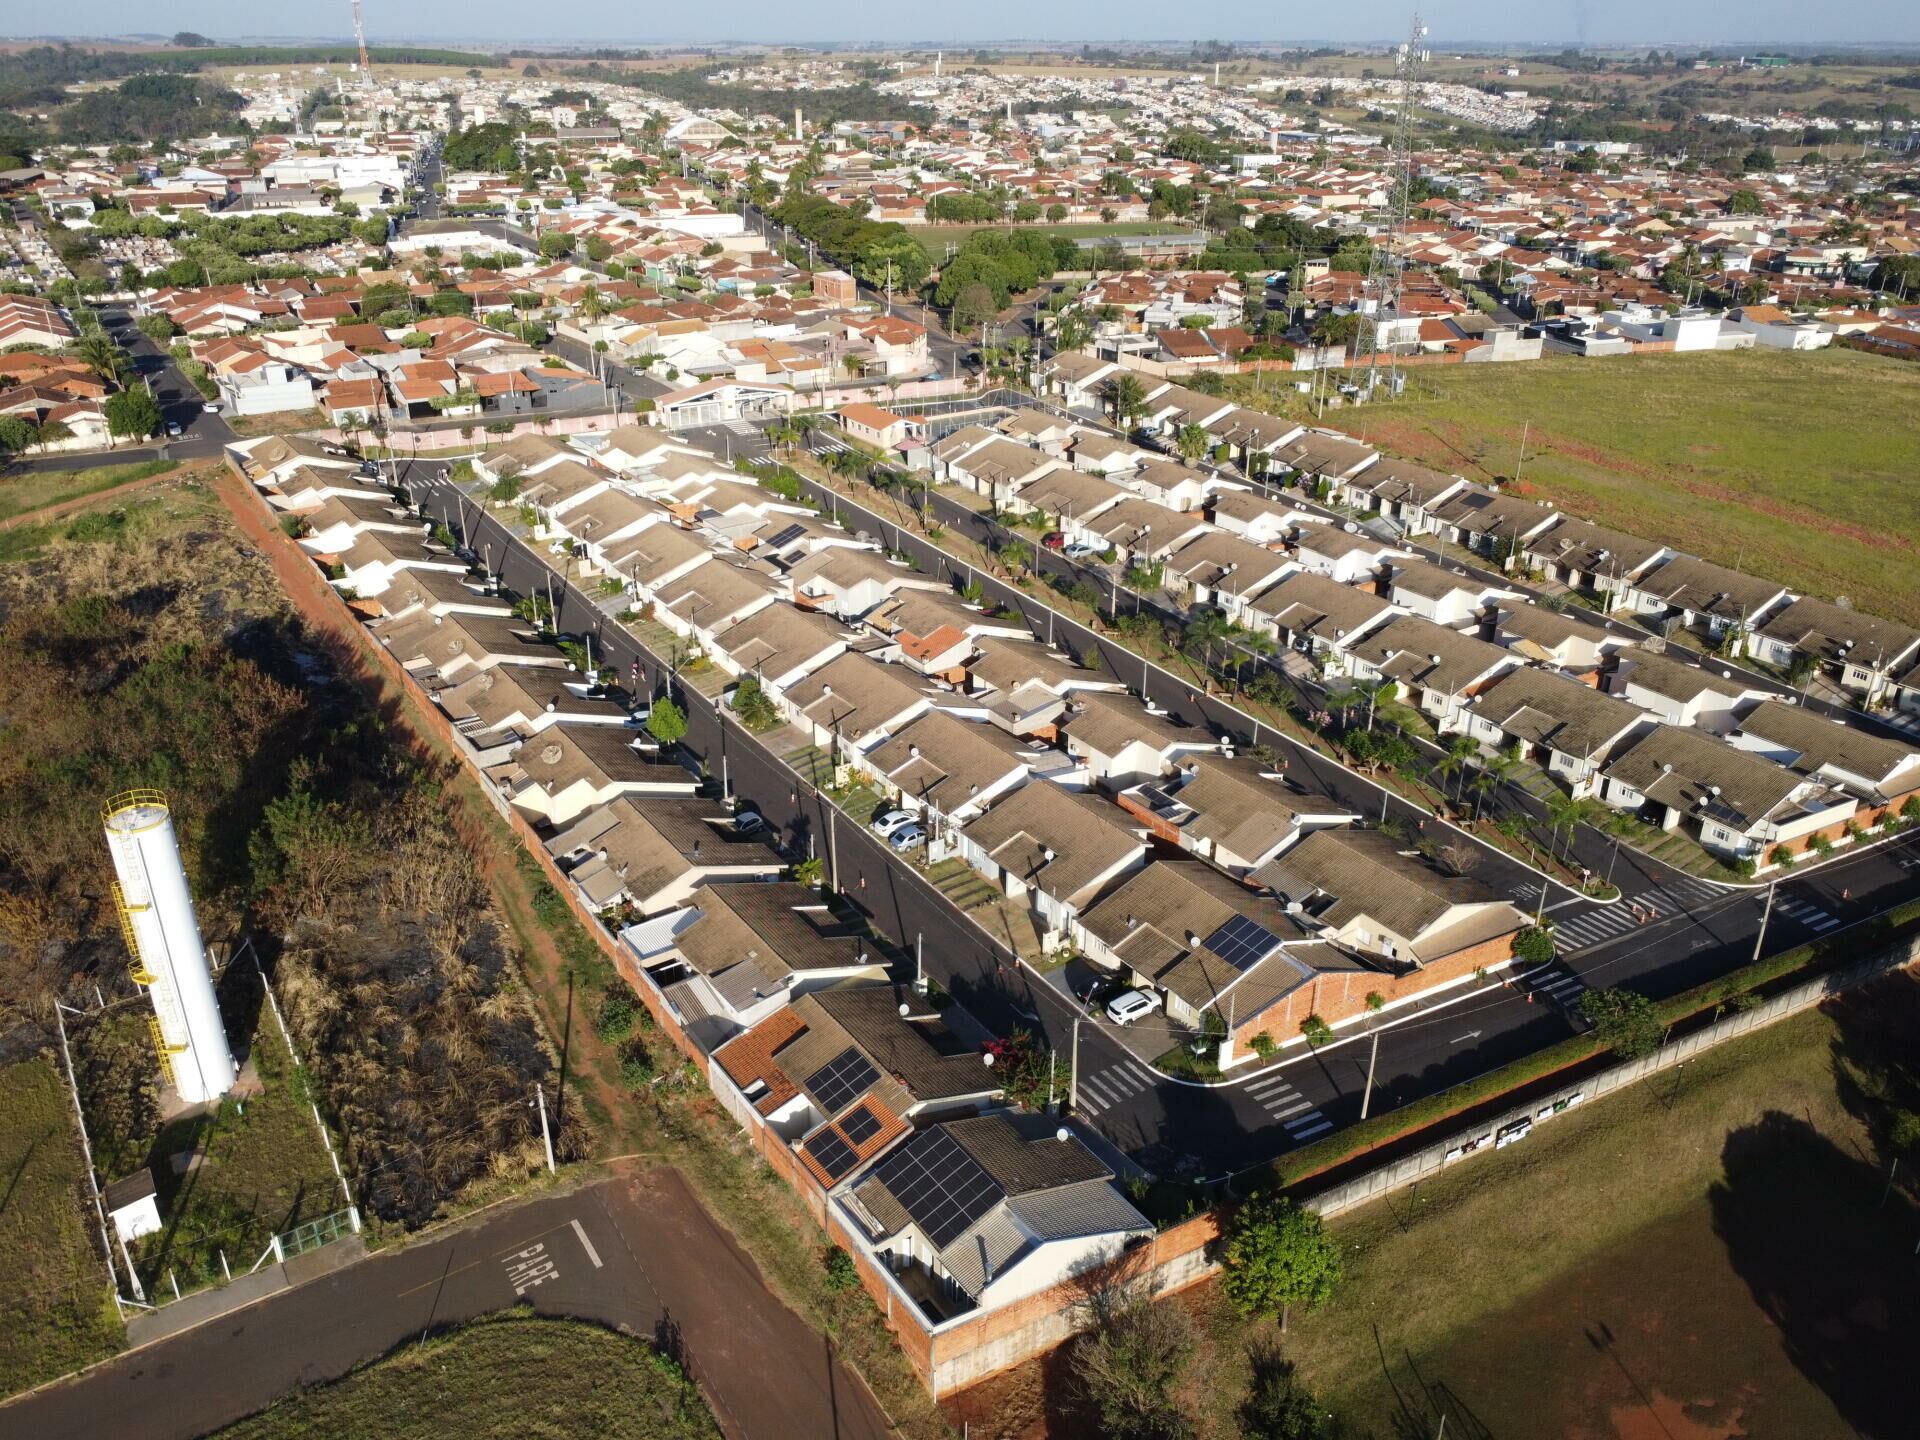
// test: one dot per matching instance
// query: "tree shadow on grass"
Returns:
(1827, 1262)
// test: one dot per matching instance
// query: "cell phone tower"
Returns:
(360, 34)
(163, 937)
(1389, 254)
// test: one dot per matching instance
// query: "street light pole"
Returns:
(1766, 913)
(1073, 1069)
(1366, 1096)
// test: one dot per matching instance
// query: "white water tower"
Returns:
(156, 916)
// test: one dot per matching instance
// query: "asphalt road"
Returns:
(634, 1253)
(1163, 1123)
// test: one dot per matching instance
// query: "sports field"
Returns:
(1796, 466)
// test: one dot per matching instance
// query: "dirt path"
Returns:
(62, 508)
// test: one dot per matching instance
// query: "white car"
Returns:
(1131, 1005)
(1082, 552)
(888, 822)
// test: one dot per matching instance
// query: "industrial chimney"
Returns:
(156, 916)
(799, 129)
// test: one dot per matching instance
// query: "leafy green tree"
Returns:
(51, 433)
(1623, 1020)
(1315, 1030)
(1129, 1366)
(1277, 1255)
(157, 327)
(1533, 945)
(1279, 1407)
(667, 722)
(132, 414)
(555, 243)
(16, 434)
(753, 705)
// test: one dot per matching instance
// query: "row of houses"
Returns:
(1475, 657)
(874, 1105)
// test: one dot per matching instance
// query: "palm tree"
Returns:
(100, 355)
(1192, 442)
(1461, 751)
(1563, 813)
(1205, 633)
(1017, 554)
(1127, 398)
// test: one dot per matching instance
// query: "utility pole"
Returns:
(1525, 426)
(919, 965)
(546, 1136)
(1366, 1096)
(1073, 1069)
(1766, 913)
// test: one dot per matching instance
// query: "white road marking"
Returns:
(587, 1245)
(1294, 1110)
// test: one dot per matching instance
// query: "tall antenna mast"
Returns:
(1389, 260)
(360, 34)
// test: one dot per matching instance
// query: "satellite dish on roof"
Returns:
(905, 1009)
(1063, 1134)
(986, 1058)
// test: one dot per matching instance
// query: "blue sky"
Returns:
(1666, 22)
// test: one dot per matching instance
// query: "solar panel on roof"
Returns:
(787, 536)
(859, 1124)
(939, 1185)
(841, 1079)
(833, 1154)
(1242, 943)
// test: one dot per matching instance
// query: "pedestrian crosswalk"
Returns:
(1607, 923)
(1557, 983)
(1297, 1115)
(1806, 912)
(1115, 1085)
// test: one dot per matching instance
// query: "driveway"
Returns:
(637, 1253)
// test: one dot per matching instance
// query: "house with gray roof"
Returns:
(1438, 670)
(852, 703)
(734, 953)
(1736, 802)
(1882, 772)
(1684, 692)
(652, 854)
(1584, 556)
(1236, 812)
(1863, 651)
(1399, 491)
(1696, 595)
(950, 768)
(1364, 891)
(1568, 729)
(1318, 616)
(1056, 849)
(973, 1215)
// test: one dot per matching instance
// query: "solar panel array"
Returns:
(1242, 943)
(859, 1124)
(834, 1155)
(941, 1186)
(786, 536)
(841, 1079)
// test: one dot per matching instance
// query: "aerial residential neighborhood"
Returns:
(1036, 737)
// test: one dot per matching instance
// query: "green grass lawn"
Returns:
(1706, 1254)
(503, 1379)
(934, 238)
(1651, 1213)
(1795, 466)
(56, 1312)
(35, 490)
(264, 1171)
